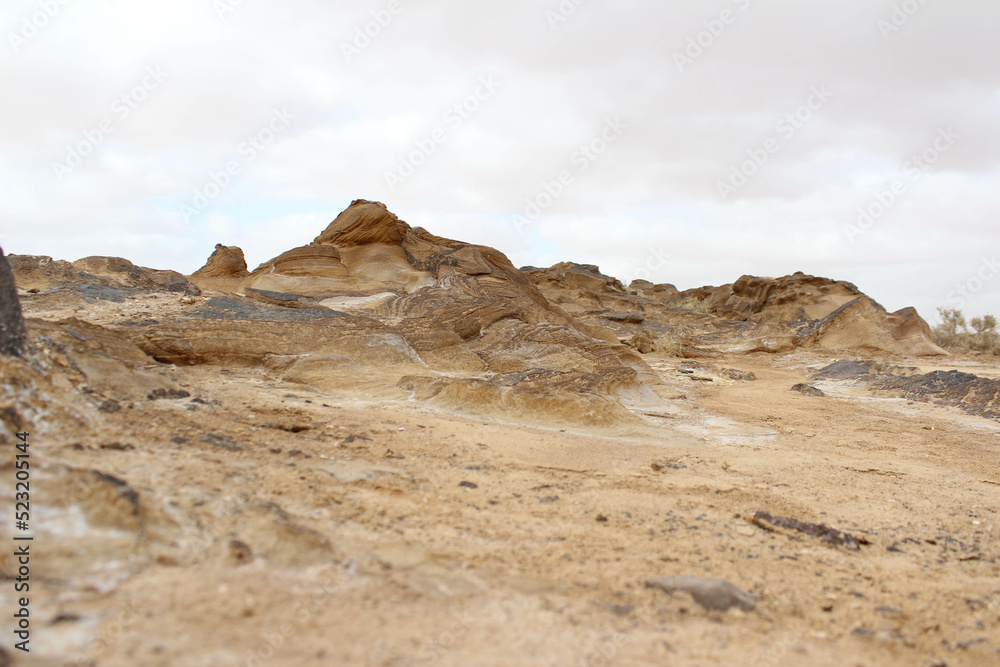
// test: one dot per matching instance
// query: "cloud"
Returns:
(755, 64)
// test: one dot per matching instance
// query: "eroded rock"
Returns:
(224, 262)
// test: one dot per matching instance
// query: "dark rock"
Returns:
(827, 535)
(225, 308)
(973, 394)
(109, 406)
(808, 390)
(625, 318)
(157, 394)
(221, 441)
(13, 338)
(739, 376)
(118, 446)
(848, 370)
(66, 617)
(468, 485)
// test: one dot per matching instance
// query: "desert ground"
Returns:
(211, 486)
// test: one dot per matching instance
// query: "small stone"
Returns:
(710, 594)
(468, 485)
(239, 552)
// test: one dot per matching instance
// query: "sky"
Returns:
(675, 141)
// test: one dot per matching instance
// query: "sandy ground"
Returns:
(277, 524)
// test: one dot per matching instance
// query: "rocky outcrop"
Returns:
(791, 299)
(821, 313)
(372, 295)
(90, 278)
(224, 262)
(750, 315)
(656, 292)
(863, 324)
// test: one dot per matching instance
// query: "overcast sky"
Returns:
(680, 141)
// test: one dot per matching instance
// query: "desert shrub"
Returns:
(978, 335)
(695, 304)
(668, 345)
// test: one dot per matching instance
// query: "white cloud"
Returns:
(655, 185)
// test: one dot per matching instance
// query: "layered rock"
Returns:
(750, 315)
(107, 278)
(372, 296)
(824, 313)
(224, 262)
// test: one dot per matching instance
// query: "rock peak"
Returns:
(362, 223)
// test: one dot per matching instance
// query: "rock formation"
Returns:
(750, 315)
(824, 313)
(13, 340)
(455, 324)
(224, 262)
(105, 278)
